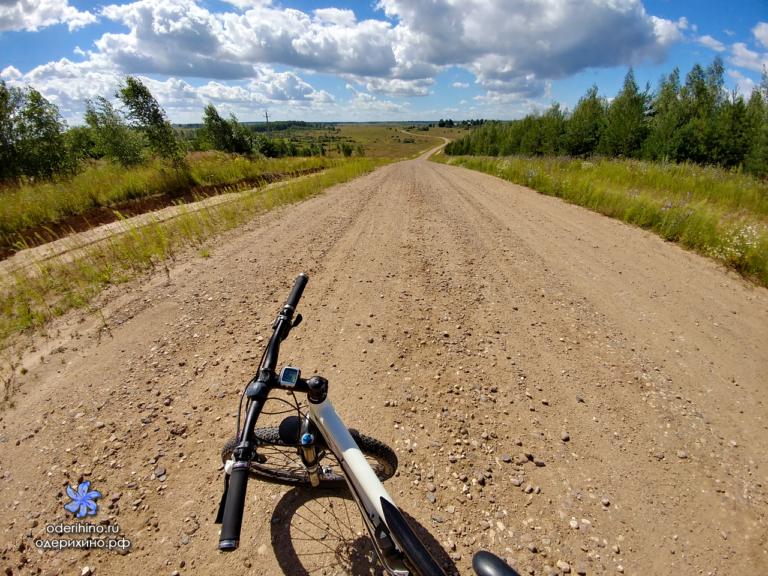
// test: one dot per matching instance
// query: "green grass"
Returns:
(104, 185)
(31, 296)
(719, 213)
(380, 139)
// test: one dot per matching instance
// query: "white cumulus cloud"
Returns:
(761, 33)
(743, 57)
(335, 16)
(515, 48)
(399, 88)
(711, 43)
(460, 85)
(31, 15)
(221, 93)
(745, 84)
(10, 73)
(512, 46)
(287, 87)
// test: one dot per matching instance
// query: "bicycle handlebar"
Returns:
(283, 325)
(235, 506)
(298, 290)
(232, 519)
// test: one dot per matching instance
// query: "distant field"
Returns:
(385, 140)
(381, 140)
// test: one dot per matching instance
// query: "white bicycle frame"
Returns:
(362, 480)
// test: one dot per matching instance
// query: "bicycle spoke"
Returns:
(325, 536)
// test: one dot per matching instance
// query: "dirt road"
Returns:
(471, 324)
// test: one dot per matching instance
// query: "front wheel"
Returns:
(280, 463)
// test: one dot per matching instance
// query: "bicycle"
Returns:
(293, 453)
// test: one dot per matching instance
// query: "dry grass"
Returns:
(30, 296)
(719, 213)
(385, 140)
(104, 185)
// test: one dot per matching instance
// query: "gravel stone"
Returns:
(564, 436)
(682, 455)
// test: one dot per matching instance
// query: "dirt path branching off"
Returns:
(574, 390)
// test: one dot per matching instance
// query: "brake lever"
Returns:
(296, 322)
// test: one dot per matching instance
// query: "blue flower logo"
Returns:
(82, 500)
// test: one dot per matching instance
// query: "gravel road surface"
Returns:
(571, 393)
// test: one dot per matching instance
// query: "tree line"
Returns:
(696, 120)
(450, 123)
(36, 142)
(229, 135)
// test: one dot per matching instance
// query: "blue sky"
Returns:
(360, 61)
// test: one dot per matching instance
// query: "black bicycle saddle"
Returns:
(487, 564)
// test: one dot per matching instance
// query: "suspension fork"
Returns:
(308, 450)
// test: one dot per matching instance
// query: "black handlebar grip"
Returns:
(298, 290)
(233, 510)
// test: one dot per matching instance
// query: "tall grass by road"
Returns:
(103, 185)
(719, 213)
(32, 295)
